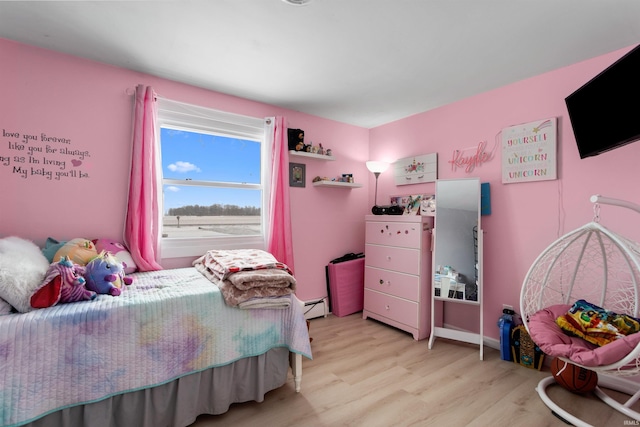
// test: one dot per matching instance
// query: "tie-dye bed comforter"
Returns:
(165, 325)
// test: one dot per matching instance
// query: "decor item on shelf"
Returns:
(428, 205)
(295, 139)
(377, 168)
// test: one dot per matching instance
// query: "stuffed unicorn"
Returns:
(63, 283)
(105, 275)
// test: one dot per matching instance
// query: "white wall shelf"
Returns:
(310, 155)
(336, 184)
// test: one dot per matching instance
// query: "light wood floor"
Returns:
(365, 373)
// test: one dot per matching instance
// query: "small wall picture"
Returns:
(297, 174)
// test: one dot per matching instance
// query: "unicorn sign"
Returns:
(529, 152)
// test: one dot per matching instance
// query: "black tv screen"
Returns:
(605, 111)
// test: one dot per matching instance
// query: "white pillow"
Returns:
(22, 270)
(5, 307)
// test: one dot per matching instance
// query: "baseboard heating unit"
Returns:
(316, 308)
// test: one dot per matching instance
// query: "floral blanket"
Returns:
(246, 275)
(222, 263)
(165, 325)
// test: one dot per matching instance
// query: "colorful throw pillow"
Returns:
(118, 250)
(79, 251)
(595, 324)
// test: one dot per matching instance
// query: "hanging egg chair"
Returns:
(595, 265)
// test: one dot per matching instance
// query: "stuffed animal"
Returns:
(63, 283)
(118, 250)
(80, 251)
(105, 275)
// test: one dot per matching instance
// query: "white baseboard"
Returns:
(316, 308)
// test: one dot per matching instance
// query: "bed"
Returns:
(166, 350)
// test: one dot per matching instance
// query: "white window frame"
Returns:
(174, 114)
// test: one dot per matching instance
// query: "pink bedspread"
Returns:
(555, 343)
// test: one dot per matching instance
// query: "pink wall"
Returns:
(526, 217)
(86, 102)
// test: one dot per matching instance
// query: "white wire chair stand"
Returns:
(597, 265)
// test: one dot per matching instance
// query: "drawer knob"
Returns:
(386, 307)
(381, 282)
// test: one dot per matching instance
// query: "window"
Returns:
(213, 179)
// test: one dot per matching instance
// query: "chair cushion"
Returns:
(546, 333)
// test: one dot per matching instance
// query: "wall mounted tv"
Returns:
(605, 111)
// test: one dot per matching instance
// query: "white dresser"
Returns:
(398, 271)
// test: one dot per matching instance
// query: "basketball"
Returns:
(574, 378)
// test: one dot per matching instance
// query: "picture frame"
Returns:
(415, 204)
(297, 174)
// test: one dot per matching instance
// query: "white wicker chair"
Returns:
(599, 266)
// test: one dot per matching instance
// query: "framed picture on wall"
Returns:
(297, 174)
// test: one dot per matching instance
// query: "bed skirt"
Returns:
(178, 403)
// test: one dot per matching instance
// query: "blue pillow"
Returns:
(51, 246)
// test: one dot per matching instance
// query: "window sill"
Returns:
(182, 248)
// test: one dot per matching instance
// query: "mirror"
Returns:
(456, 247)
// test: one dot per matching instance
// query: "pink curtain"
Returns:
(142, 222)
(280, 243)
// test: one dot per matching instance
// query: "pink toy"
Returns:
(119, 251)
(63, 283)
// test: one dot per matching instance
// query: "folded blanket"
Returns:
(595, 324)
(234, 296)
(222, 263)
(269, 302)
(244, 275)
(245, 280)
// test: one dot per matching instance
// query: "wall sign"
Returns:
(416, 169)
(469, 158)
(529, 152)
(40, 155)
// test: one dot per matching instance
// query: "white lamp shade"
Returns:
(378, 167)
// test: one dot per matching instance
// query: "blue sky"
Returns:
(203, 157)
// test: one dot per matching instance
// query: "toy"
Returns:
(105, 275)
(80, 251)
(295, 139)
(63, 283)
(119, 251)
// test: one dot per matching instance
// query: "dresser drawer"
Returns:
(391, 282)
(397, 309)
(392, 258)
(403, 234)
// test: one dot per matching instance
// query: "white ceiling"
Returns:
(363, 62)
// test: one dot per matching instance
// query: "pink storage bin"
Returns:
(346, 287)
